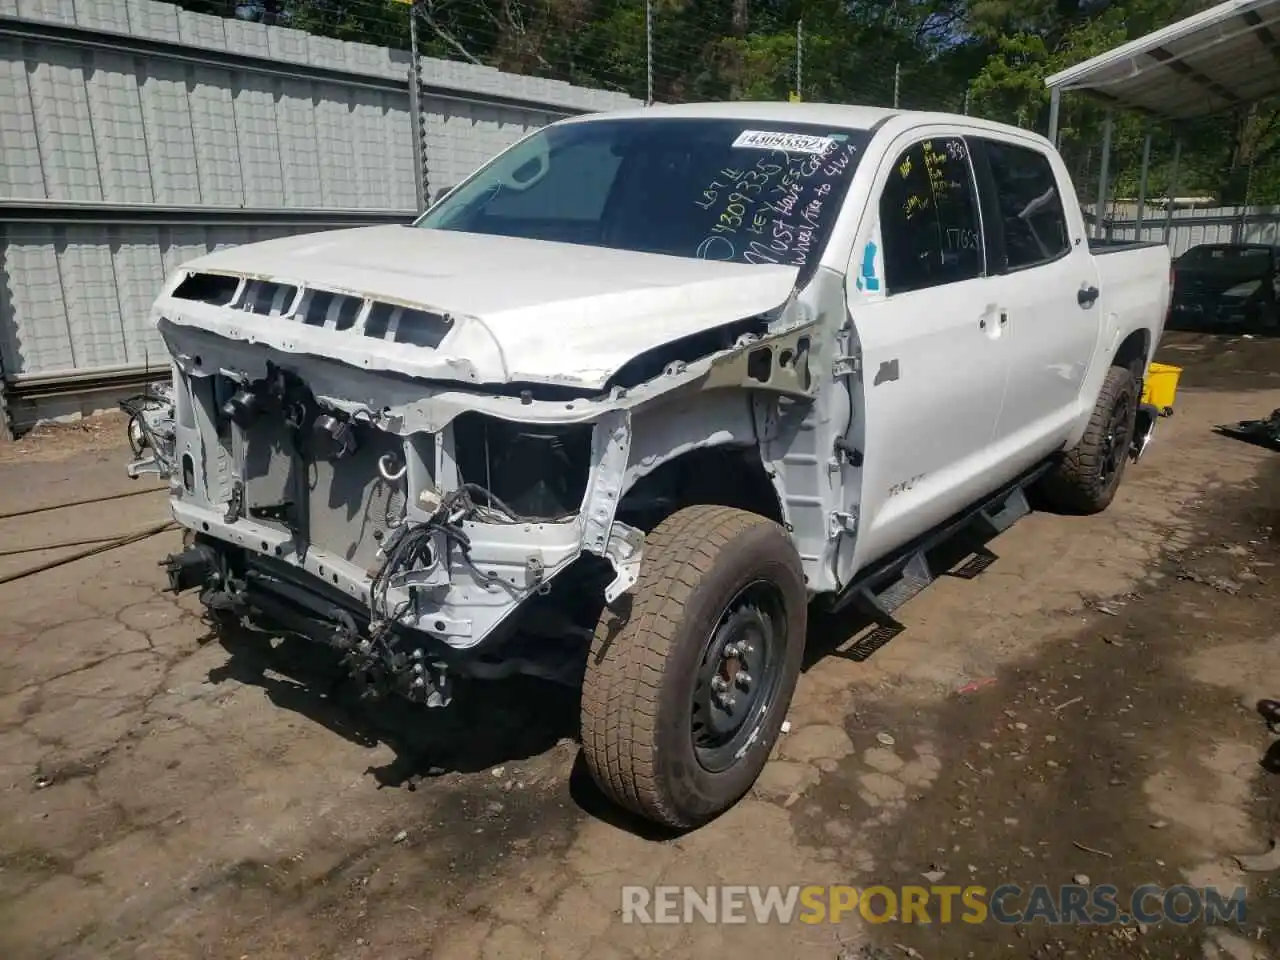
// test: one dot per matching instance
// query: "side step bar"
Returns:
(882, 589)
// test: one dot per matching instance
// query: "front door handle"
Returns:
(1086, 296)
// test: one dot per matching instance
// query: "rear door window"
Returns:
(1029, 205)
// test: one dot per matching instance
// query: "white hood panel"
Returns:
(522, 310)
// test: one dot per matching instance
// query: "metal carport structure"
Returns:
(1222, 59)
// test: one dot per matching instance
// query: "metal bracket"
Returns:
(845, 452)
(841, 522)
(624, 550)
(235, 506)
(845, 366)
(282, 512)
(535, 570)
(610, 447)
(147, 466)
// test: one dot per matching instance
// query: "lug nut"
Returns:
(728, 701)
(743, 680)
(719, 684)
(730, 651)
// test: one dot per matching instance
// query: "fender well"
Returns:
(695, 446)
(1133, 352)
(729, 475)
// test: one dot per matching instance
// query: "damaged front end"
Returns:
(398, 516)
(402, 548)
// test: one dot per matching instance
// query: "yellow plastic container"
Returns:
(1161, 386)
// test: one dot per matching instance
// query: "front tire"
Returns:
(690, 678)
(1085, 481)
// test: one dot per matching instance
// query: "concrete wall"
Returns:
(135, 135)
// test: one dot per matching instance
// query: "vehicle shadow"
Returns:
(489, 723)
(854, 633)
(850, 634)
(498, 721)
(591, 800)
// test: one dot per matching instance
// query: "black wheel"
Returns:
(1088, 476)
(690, 678)
(1265, 319)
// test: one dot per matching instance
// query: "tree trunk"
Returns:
(739, 28)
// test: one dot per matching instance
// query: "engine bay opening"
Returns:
(539, 472)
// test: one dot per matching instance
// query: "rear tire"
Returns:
(689, 679)
(1085, 481)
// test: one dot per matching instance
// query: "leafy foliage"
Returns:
(989, 57)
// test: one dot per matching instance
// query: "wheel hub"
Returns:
(1114, 440)
(733, 688)
(739, 672)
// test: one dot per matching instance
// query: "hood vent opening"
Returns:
(332, 311)
(267, 298)
(417, 328)
(216, 289)
(318, 308)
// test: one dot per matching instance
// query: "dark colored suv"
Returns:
(1226, 285)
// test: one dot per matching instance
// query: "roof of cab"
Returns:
(832, 114)
(849, 116)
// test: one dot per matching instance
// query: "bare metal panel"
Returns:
(349, 504)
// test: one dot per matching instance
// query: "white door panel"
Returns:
(1052, 331)
(1052, 339)
(933, 376)
(932, 347)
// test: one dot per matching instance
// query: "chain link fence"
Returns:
(665, 51)
(674, 51)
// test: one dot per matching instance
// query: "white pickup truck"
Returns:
(618, 408)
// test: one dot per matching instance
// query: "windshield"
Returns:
(745, 191)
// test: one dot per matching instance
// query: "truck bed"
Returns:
(1135, 285)
(1102, 247)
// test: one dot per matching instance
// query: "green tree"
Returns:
(988, 56)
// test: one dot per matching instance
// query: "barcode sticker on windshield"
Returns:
(788, 142)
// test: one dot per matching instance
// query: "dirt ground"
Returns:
(1080, 708)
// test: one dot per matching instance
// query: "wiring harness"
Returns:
(148, 413)
(413, 547)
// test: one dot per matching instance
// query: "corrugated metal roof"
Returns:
(1225, 57)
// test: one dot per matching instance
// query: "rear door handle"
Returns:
(1086, 296)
